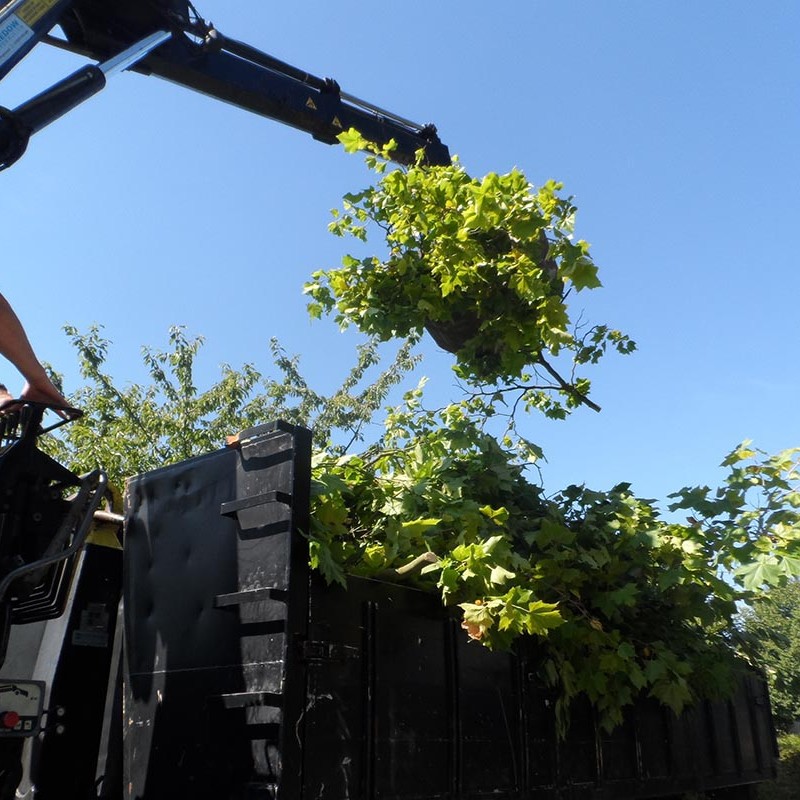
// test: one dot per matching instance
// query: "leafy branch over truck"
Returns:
(623, 600)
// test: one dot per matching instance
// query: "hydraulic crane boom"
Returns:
(167, 38)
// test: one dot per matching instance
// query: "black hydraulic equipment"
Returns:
(41, 531)
(49, 576)
(168, 38)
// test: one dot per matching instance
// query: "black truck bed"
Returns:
(249, 678)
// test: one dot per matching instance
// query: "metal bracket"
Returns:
(312, 650)
(235, 599)
(230, 508)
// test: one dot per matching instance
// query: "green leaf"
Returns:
(741, 453)
(789, 565)
(626, 650)
(497, 515)
(626, 595)
(582, 273)
(675, 694)
(543, 617)
(553, 533)
(322, 559)
(525, 228)
(352, 140)
(763, 571)
(500, 575)
(417, 527)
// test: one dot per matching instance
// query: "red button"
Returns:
(9, 720)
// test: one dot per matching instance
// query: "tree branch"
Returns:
(567, 387)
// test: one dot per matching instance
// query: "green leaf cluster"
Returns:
(624, 601)
(751, 525)
(485, 264)
(788, 779)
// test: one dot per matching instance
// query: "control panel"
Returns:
(21, 705)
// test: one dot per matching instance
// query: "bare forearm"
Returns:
(14, 345)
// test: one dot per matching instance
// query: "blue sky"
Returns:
(674, 125)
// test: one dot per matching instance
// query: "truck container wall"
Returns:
(248, 678)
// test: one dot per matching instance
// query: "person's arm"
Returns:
(14, 345)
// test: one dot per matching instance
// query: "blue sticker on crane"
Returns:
(14, 34)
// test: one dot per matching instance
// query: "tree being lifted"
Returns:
(623, 601)
(484, 265)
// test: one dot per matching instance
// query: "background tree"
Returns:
(772, 625)
(132, 428)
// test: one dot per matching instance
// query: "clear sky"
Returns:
(675, 126)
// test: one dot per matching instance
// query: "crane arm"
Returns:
(196, 56)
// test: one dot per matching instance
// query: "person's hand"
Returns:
(44, 391)
(5, 397)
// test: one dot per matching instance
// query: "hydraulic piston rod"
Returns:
(17, 126)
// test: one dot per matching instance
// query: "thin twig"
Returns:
(569, 388)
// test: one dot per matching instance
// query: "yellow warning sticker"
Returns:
(336, 123)
(311, 104)
(32, 11)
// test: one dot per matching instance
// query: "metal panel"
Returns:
(337, 743)
(489, 703)
(401, 706)
(210, 611)
(72, 655)
(244, 685)
(22, 24)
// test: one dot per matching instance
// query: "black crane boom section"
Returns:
(195, 55)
